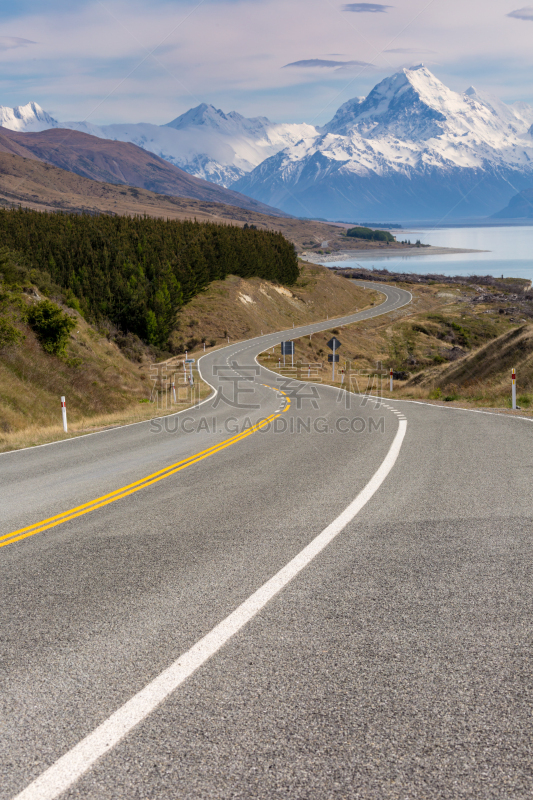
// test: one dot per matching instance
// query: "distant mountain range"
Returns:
(120, 163)
(520, 207)
(205, 142)
(412, 149)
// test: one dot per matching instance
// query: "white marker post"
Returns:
(173, 387)
(391, 379)
(64, 413)
(514, 387)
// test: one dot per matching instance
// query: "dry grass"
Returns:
(80, 425)
(423, 333)
(242, 309)
(483, 377)
(103, 388)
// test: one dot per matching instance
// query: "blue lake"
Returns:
(510, 253)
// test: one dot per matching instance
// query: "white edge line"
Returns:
(451, 408)
(77, 761)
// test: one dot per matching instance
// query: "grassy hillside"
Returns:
(483, 376)
(108, 378)
(242, 309)
(456, 343)
(96, 377)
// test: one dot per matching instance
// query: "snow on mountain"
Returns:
(30, 117)
(207, 143)
(412, 148)
(204, 141)
(211, 117)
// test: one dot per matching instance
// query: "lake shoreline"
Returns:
(390, 252)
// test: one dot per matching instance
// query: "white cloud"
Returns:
(12, 42)
(522, 13)
(412, 50)
(320, 62)
(366, 8)
(130, 61)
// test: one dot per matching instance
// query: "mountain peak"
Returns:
(422, 69)
(411, 104)
(200, 115)
(30, 117)
(207, 117)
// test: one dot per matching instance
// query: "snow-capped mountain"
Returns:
(412, 149)
(30, 117)
(204, 141)
(210, 144)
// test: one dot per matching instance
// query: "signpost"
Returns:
(287, 349)
(190, 362)
(334, 345)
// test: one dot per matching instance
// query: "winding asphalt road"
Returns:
(299, 595)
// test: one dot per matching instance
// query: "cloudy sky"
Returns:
(290, 60)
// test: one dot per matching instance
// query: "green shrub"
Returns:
(72, 302)
(9, 335)
(435, 394)
(360, 232)
(51, 326)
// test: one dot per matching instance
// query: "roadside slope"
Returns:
(105, 375)
(486, 371)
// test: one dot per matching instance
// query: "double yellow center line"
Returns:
(131, 488)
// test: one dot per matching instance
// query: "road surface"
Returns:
(335, 603)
